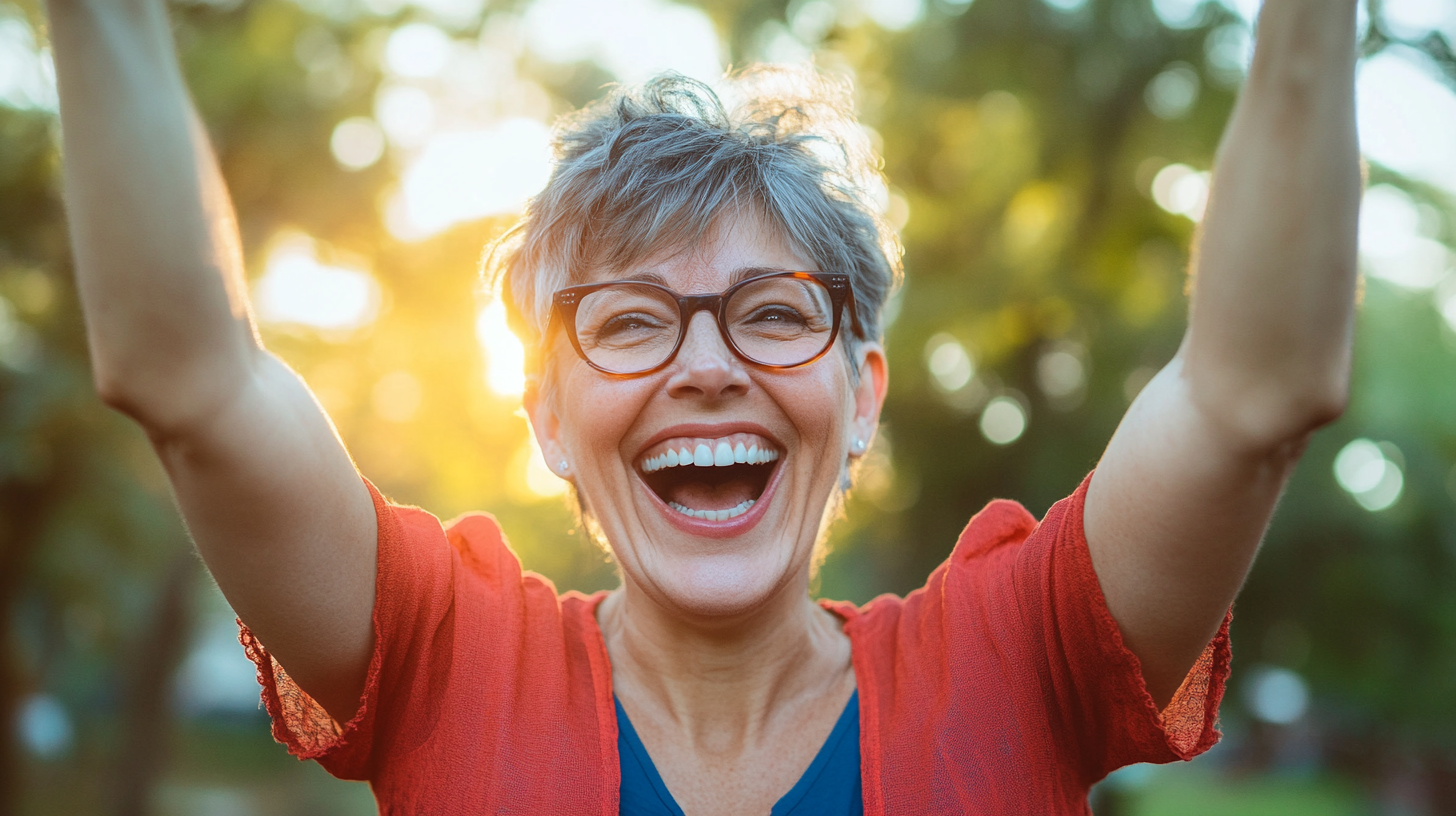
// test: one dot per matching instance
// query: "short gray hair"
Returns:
(652, 169)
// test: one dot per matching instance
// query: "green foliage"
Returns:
(1018, 140)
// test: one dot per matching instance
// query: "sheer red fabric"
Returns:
(1001, 687)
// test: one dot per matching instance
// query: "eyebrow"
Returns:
(739, 275)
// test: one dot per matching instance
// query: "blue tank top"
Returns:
(830, 787)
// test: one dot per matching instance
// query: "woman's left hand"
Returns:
(1184, 493)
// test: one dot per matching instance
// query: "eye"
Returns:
(624, 325)
(772, 313)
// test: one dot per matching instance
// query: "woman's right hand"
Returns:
(268, 492)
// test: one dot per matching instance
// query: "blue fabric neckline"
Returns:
(830, 786)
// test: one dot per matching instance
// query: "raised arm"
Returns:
(1184, 493)
(267, 490)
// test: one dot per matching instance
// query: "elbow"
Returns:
(1309, 409)
(111, 386)
(1330, 404)
(1280, 418)
(121, 393)
(168, 405)
(171, 394)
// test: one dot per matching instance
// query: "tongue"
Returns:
(697, 495)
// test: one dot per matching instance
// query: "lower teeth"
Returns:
(713, 515)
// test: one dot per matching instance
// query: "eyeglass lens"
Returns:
(632, 327)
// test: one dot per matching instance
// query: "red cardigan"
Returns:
(1001, 687)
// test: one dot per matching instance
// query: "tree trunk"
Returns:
(23, 510)
(147, 707)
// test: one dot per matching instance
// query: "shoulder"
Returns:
(481, 543)
(998, 557)
(470, 550)
(1000, 527)
(485, 555)
(1001, 523)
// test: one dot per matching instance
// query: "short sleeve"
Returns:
(1096, 682)
(411, 653)
(1004, 686)
(486, 693)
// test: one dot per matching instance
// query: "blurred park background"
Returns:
(1047, 162)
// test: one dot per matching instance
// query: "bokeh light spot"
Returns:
(1395, 240)
(405, 112)
(505, 357)
(466, 175)
(1446, 301)
(45, 727)
(894, 15)
(19, 345)
(1407, 115)
(417, 50)
(1180, 14)
(1227, 51)
(949, 363)
(357, 143)
(1371, 473)
(1171, 94)
(1003, 421)
(633, 39)
(1060, 373)
(297, 288)
(1416, 19)
(1276, 695)
(1246, 9)
(811, 20)
(27, 73)
(1181, 190)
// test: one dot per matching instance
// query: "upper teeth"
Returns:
(710, 453)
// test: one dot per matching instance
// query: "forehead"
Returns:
(739, 246)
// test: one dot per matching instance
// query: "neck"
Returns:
(722, 678)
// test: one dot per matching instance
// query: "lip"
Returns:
(717, 529)
(700, 527)
(707, 431)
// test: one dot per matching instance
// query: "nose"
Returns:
(705, 367)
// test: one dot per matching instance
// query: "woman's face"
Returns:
(706, 537)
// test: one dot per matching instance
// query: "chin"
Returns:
(726, 586)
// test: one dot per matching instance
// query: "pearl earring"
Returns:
(859, 445)
(563, 467)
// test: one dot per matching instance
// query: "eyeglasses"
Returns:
(779, 320)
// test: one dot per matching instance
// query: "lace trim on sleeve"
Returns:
(1188, 726)
(1190, 720)
(299, 722)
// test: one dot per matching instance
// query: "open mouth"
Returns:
(710, 479)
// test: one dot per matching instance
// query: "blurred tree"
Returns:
(1028, 146)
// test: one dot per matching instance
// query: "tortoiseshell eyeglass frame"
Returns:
(841, 294)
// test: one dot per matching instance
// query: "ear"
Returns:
(869, 393)
(547, 427)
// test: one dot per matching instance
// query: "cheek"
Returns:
(820, 406)
(597, 413)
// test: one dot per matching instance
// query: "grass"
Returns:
(1190, 792)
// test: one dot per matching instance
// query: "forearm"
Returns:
(1269, 341)
(157, 257)
(1183, 495)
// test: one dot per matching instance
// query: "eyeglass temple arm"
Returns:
(854, 316)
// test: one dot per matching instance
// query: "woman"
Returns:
(705, 291)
